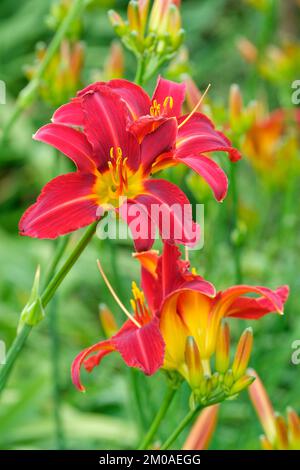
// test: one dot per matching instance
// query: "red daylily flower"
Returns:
(111, 164)
(195, 133)
(178, 304)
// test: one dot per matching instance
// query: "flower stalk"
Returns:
(170, 393)
(46, 296)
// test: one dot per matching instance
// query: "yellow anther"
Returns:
(168, 102)
(120, 153)
(194, 272)
(155, 108)
(111, 153)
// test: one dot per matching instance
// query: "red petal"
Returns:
(65, 204)
(174, 208)
(70, 142)
(136, 99)
(70, 114)
(150, 283)
(198, 135)
(166, 88)
(174, 275)
(136, 215)
(250, 308)
(274, 300)
(106, 117)
(103, 348)
(141, 347)
(210, 171)
(145, 125)
(162, 140)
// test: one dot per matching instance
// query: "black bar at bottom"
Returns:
(136, 459)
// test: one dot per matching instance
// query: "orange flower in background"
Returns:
(280, 433)
(63, 75)
(271, 144)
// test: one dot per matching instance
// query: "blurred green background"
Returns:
(40, 407)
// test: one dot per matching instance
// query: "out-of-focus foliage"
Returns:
(106, 416)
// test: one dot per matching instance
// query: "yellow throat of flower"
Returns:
(118, 180)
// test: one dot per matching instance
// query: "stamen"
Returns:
(195, 108)
(113, 293)
(186, 252)
(111, 153)
(168, 102)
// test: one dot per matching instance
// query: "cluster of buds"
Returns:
(280, 433)
(227, 379)
(63, 75)
(156, 32)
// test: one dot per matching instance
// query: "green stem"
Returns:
(141, 64)
(60, 249)
(235, 206)
(46, 296)
(158, 418)
(27, 94)
(189, 418)
(71, 260)
(182, 425)
(134, 378)
(55, 356)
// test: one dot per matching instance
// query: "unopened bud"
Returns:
(33, 312)
(241, 384)
(193, 362)
(247, 50)
(282, 434)
(265, 443)
(223, 348)
(293, 429)
(228, 380)
(133, 16)
(235, 104)
(243, 353)
(107, 320)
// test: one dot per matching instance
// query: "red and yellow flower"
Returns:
(181, 328)
(118, 137)
(280, 434)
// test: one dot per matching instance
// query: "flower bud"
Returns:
(282, 434)
(235, 105)
(243, 353)
(293, 428)
(133, 16)
(107, 320)
(247, 50)
(193, 362)
(223, 348)
(241, 384)
(33, 312)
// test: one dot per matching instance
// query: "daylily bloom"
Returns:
(195, 134)
(117, 137)
(177, 325)
(280, 434)
(191, 320)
